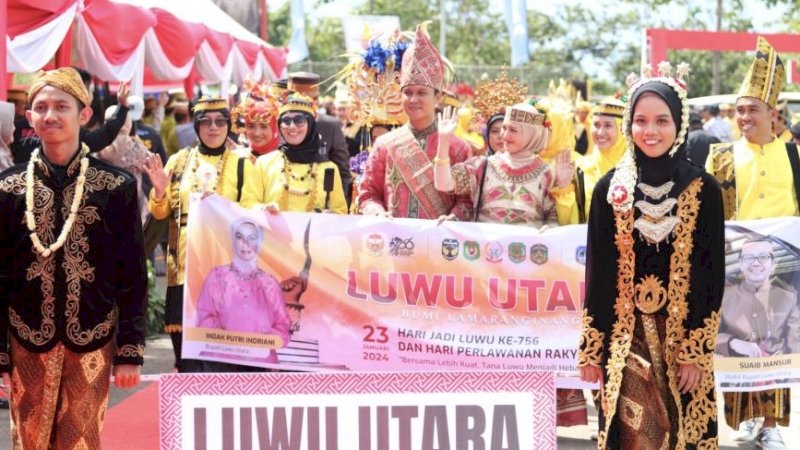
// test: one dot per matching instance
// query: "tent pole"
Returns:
(4, 83)
(64, 53)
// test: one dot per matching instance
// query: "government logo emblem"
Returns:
(401, 247)
(472, 250)
(580, 255)
(517, 252)
(539, 253)
(450, 249)
(494, 252)
(375, 244)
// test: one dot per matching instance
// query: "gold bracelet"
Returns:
(158, 200)
(437, 160)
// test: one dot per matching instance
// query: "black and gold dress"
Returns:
(659, 308)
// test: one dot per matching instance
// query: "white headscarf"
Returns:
(534, 132)
(245, 266)
(6, 134)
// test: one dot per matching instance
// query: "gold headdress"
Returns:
(210, 104)
(66, 79)
(764, 79)
(449, 98)
(373, 81)
(563, 97)
(560, 103)
(610, 106)
(258, 107)
(298, 102)
(502, 92)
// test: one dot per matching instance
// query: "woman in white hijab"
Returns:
(6, 134)
(513, 186)
(242, 297)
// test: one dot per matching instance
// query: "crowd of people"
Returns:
(653, 179)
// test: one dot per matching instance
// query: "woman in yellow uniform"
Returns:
(293, 178)
(209, 167)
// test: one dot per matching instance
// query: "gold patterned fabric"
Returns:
(652, 330)
(765, 78)
(742, 406)
(66, 79)
(91, 290)
(645, 405)
(58, 398)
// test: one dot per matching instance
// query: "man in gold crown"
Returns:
(73, 283)
(209, 167)
(398, 178)
(755, 174)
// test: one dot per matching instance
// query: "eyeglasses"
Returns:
(300, 120)
(762, 258)
(219, 122)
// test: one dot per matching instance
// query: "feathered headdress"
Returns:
(373, 80)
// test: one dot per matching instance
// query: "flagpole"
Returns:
(442, 26)
(264, 11)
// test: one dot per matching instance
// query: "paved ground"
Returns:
(159, 359)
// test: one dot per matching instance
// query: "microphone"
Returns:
(327, 185)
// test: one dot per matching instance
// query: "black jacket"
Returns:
(71, 296)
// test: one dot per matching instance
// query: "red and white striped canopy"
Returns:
(138, 40)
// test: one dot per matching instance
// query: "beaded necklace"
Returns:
(288, 190)
(30, 219)
(196, 165)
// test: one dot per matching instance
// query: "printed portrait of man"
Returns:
(760, 315)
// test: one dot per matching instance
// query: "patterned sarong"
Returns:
(58, 398)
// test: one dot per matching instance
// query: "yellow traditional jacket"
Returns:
(786, 136)
(175, 205)
(295, 189)
(756, 181)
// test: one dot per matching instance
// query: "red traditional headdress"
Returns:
(422, 63)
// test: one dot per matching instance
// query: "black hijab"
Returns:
(310, 150)
(494, 118)
(676, 167)
(202, 147)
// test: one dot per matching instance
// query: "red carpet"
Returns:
(133, 423)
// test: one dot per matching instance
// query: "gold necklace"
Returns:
(196, 165)
(288, 190)
(30, 219)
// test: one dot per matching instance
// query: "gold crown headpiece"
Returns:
(493, 96)
(561, 98)
(298, 102)
(765, 77)
(210, 104)
(373, 81)
(611, 106)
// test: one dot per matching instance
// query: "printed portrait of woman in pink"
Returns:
(240, 296)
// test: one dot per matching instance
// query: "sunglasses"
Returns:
(219, 122)
(300, 120)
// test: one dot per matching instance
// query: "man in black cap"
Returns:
(329, 128)
(698, 140)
